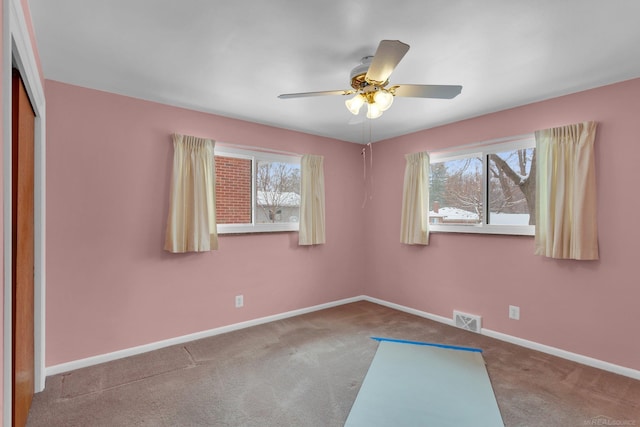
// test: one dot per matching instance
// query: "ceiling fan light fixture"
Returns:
(383, 99)
(354, 104)
(370, 78)
(373, 111)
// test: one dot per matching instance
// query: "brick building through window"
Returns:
(233, 190)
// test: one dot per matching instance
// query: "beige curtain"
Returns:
(414, 226)
(191, 226)
(566, 226)
(311, 200)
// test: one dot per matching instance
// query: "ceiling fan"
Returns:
(370, 78)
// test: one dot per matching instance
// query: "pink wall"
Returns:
(590, 308)
(110, 286)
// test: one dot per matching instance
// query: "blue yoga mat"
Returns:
(423, 384)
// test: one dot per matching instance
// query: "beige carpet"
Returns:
(307, 370)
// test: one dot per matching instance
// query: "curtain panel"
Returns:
(312, 210)
(414, 225)
(191, 225)
(566, 226)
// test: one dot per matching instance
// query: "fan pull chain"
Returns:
(364, 175)
(370, 144)
(364, 167)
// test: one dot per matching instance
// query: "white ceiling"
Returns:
(233, 58)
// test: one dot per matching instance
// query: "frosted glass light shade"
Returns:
(354, 104)
(373, 111)
(383, 99)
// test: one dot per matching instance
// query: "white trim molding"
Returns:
(18, 52)
(564, 354)
(94, 360)
(90, 361)
(434, 317)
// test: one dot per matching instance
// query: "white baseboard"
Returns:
(409, 310)
(579, 358)
(108, 357)
(585, 360)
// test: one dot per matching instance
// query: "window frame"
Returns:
(255, 155)
(483, 150)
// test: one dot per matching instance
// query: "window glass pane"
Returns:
(277, 192)
(511, 189)
(455, 191)
(233, 190)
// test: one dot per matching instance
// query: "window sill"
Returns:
(256, 228)
(511, 230)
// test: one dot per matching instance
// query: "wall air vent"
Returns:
(470, 322)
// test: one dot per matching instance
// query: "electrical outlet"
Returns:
(239, 301)
(514, 312)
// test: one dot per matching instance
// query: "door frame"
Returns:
(18, 52)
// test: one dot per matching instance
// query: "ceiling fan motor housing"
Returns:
(359, 73)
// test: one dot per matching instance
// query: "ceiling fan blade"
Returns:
(427, 91)
(323, 93)
(387, 57)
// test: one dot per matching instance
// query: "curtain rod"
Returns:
(263, 149)
(249, 147)
(482, 143)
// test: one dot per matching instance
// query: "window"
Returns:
(484, 189)
(256, 191)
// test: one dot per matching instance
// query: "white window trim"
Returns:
(481, 150)
(243, 153)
